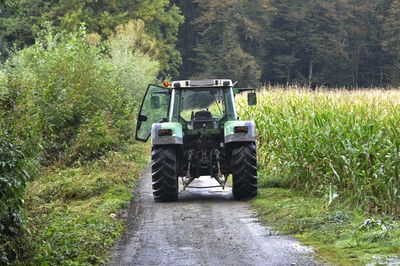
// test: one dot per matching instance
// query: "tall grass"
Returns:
(341, 145)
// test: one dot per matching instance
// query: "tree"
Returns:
(188, 35)
(218, 45)
(336, 43)
(23, 19)
(391, 44)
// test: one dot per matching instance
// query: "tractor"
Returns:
(195, 132)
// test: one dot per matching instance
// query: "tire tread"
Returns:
(164, 175)
(244, 171)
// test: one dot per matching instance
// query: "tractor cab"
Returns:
(197, 105)
(195, 122)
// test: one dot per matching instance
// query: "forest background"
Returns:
(332, 43)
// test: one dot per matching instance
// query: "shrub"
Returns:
(12, 186)
(78, 99)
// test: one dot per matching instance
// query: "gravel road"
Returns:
(205, 227)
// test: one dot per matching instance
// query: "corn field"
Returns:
(341, 145)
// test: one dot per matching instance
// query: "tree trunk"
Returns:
(310, 72)
(288, 76)
(355, 66)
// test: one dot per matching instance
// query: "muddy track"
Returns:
(205, 227)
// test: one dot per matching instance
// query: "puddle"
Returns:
(301, 249)
(387, 261)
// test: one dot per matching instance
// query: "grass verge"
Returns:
(73, 212)
(340, 235)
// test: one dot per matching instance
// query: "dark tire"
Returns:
(164, 174)
(244, 171)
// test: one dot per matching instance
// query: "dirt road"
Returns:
(205, 227)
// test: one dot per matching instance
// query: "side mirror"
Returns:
(252, 98)
(155, 102)
(142, 118)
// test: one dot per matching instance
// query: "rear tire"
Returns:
(164, 174)
(244, 171)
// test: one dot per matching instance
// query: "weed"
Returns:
(73, 212)
(340, 235)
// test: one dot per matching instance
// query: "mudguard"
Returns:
(231, 136)
(175, 139)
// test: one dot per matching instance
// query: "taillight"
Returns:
(165, 132)
(242, 129)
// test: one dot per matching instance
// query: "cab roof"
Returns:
(205, 83)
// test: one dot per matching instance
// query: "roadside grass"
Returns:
(74, 212)
(339, 234)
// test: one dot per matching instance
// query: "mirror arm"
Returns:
(246, 89)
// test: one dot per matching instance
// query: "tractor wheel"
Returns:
(244, 171)
(164, 174)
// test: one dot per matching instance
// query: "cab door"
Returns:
(154, 109)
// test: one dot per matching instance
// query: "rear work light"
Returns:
(242, 129)
(165, 132)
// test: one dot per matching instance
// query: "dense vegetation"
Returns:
(329, 167)
(22, 20)
(70, 85)
(342, 146)
(75, 212)
(339, 42)
(12, 184)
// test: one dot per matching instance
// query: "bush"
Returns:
(78, 100)
(12, 185)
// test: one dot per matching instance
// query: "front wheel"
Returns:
(164, 174)
(244, 171)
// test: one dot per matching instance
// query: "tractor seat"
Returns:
(203, 116)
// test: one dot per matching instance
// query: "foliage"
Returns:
(340, 145)
(217, 49)
(22, 20)
(12, 184)
(75, 212)
(391, 41)
(66, 99)
(78, 97)
(131, 50)
(333, 43)
(340, 235)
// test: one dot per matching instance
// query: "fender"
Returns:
(175, 139)
(231, 137)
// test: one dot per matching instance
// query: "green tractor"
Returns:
(195, 132)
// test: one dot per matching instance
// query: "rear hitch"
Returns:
(188, 179)
(221, 179)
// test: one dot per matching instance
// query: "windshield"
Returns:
(202, 104)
